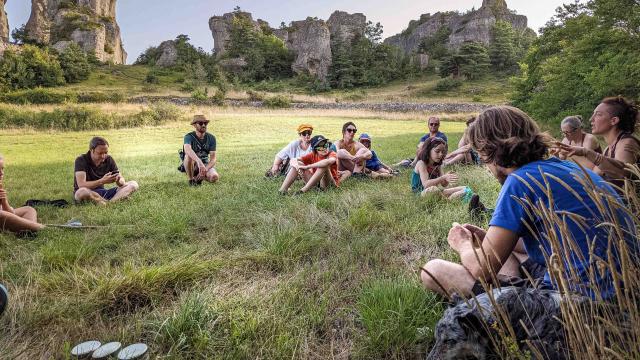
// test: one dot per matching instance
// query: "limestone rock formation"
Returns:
(89, 23)
(311, 41)
(169, 54)
(4, 24)
(472, 26)
(220, 27)
(345, 27)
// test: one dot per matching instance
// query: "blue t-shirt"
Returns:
(202, 147)
(438, 134)
(374, 163)
(516, 211)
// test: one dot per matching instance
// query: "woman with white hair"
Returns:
(571, 128)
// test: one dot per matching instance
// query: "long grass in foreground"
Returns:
(231, 270)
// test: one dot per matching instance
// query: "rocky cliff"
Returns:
(473, 26)
(309, 39)
(89, 23)
(345, 27)
(4, 24)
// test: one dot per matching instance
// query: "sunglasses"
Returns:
(434, 124)
(351, 130)
(323, 146)
(201, 123)
(306, 133)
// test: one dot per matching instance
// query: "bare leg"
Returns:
(359, 166)
(327, 180)
(315, 179)
(430, 190)
(189, 166)
(454, 193)
(212, 175)
(344, 175)
(84, 194)
(27, 213)
(276, 165)
(460, 158)
(125, 191)
(14, 223)
(454, 278)
(289, 180)
(381, 174)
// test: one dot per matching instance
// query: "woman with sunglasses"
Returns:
(571, 128)
(352, 155)
(615, 119)
(295, 149)
(318, 168)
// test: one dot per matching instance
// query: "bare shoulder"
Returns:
(591, 142)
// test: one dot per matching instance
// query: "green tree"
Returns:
(586, 52)
(471, 61)
(75, 64)
(29, 68)
(502, 49)
(436, 45)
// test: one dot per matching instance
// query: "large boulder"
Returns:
(472, 26)
(310, 40)
(169, 54)
(89, 23)
(345, 27)
(4, 24)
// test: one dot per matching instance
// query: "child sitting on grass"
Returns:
(427, 177)
(374, 167)
(323, 164)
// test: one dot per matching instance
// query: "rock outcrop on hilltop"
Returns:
(4, 27)
(169, 55)
(89, 23)
(345, 27)
(473, 26)
(309, 39)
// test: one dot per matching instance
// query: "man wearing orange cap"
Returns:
(295, 149)
(200, 153)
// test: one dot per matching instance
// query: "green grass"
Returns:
(231, 270)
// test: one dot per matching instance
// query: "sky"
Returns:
(145, 23)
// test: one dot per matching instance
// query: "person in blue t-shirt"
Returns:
(374, 167)
(200, 153)
(519, 239)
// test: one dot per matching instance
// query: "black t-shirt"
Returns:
(84, 163)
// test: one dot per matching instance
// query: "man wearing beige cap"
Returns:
(200, 153)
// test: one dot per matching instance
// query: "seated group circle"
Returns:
(504, 139)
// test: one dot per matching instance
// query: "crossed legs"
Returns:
(123, 192)
(24, 219)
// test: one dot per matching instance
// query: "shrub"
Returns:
(152, 78)
(219, 97)
(255, 96)
(38, 96)
(75, 64)
(30, 68)
(277, 102)
(448, 83)
(199, 95)
(101, 97)
(188, 86)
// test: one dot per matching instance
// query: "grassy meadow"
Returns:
(231, 270)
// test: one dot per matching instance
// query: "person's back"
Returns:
(559, 184)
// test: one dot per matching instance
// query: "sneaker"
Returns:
(477, 209)
(194, 183)
(4, 298)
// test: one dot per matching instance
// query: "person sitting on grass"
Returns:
(427, 177)
(571, 128)
(514, 248)
(199, 148)
(295, 149)
(464, 154)
(374, 167)
(21, 221)
(615, 118)
(434, 132)
(94, 170)
(322, 163)
(352, 155)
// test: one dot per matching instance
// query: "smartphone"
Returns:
(115, 172)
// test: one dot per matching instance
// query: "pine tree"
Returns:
(502, 49)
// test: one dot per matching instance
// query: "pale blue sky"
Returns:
(146, 23)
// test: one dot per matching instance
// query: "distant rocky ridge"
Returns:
(309, 39)
(472, 26)
(89, 23)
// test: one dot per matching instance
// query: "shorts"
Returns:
(106, 194)
(527, 268)
(375, 167)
